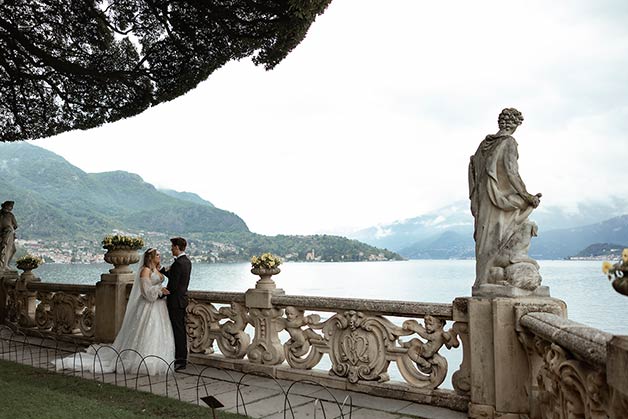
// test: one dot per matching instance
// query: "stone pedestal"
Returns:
(266, 347)
(27, 298)
(495, 290)
(111, 299)
(5, 276)
(500, 375)
(617, 364)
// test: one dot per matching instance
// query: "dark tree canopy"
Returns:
(68, 64)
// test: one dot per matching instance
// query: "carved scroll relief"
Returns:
(203, 328)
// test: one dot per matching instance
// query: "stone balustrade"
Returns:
(569, 368)
(357, 335)
(520, 356)
(66, 311)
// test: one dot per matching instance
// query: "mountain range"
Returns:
(448, 232)
(56, 201)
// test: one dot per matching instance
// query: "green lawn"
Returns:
(28, 392)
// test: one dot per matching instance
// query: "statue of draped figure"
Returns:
(501, 204)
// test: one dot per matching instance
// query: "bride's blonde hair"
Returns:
(149, 256)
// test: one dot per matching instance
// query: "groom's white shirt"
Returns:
(180, 254)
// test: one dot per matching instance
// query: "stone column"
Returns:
(111, 299)
(5, 276)
(616, 367)
(27, 299)
(266, 347)
(501, 378)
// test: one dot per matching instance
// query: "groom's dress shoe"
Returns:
(179, 367)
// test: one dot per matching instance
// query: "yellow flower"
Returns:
(266, 261)
(606, 267)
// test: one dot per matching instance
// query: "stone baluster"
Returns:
(26, 300)
(266, 347)
(461, 379)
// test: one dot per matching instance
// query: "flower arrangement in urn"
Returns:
(28, 262)
(266, 261)
(117, 241)
(619, 271)
(122, 252)
(265, 265)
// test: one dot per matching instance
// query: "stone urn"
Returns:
(27, 266)
(121, 258)
(266, 281)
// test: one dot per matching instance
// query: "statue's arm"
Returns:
(471, 177)
(14, 221)
(511, 156)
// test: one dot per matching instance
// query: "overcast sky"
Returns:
(373, 117)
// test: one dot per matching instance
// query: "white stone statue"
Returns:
(8, 225)
(500, 205)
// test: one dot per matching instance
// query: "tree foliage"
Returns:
(68, 64)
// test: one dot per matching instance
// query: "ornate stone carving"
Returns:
(43, 318)
(266, 347)
(299, 350)
(570, 388)
(461, 379)
(358, 344)
(121, 258)
(8, 225)
(430, 368)
(66, 311)
(20, 306)
(12, 305)
(500, 205)
(202, 320)
(233, 342)
(87, 321)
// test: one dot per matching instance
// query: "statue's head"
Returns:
(291, 313)
(433, 324)
(510, 118)
(8, 205)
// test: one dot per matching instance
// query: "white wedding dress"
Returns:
(146, 334)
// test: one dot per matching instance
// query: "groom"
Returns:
(178, 280)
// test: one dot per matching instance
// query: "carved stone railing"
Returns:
(357, 335)
(568, 366)
(64, 311)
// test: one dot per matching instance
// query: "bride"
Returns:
(146, 331)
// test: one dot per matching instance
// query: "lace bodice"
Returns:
(151, 286)
(156, 278)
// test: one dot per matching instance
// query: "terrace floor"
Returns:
(258, 397)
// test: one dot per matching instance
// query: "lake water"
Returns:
(589, 296)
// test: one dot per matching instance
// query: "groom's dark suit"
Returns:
(177, 301)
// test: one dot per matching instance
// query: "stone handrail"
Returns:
(383, 307)
(568, 363)
(57, 287)
(584, 342)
